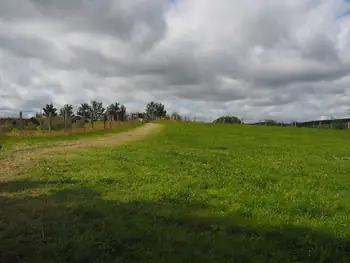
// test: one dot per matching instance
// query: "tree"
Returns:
(67, 108)
(84, 110)
(228, 120)
(114, 107)
(123, 113)
(176, 116)
(49, 108)
(155, 109)
(97, 110)
(118, 111)
(271, 122)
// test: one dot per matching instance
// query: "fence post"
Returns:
(104, 121)
(21, 121)
(91, 119)
(65, 120)
(50, 119)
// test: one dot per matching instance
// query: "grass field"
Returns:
(34, 138)
(190, 193)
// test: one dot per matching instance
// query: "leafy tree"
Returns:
(49, 108)
(117, 109)
(97, 110)
(114, 108)
(123, 113)
(84, 110)
(155, 109)
(271, 122)
(69, 109)
(176, 116)
(228, 120)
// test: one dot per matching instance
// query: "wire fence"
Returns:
(335, 124)
(31, 126)
(22, 123)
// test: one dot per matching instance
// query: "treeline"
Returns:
(93, 111)
(66, 118)
(96, 111)
(228, 120)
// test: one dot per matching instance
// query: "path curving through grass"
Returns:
(15, 164)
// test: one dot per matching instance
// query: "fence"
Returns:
(58, 124)
(338, 124)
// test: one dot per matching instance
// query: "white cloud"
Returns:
(255, 59)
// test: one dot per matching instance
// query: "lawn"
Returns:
(191, 193)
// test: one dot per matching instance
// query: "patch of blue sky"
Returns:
(346, 13)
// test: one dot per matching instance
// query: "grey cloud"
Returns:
(27, 47)
(140, 22)
(24, 80)
(258, 62)
(322, 49)
(279, 76)
(17, 10)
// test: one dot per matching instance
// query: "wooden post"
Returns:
(104, 121)
(21, 121)
(65, 120)
(50, 121)
(92, 120)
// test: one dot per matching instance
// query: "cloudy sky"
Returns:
(255, 59)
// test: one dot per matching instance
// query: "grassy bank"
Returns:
(193, 193)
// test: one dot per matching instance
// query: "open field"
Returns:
(186, 193)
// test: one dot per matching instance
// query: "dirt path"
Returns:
(16, 163)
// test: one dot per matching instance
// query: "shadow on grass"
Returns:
(78, 225)
(21, 185)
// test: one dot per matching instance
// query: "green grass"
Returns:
(193, 193)
(9, 141)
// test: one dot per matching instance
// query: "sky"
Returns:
(283, 60)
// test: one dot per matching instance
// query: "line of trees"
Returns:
(96, 111)
(228, 120)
